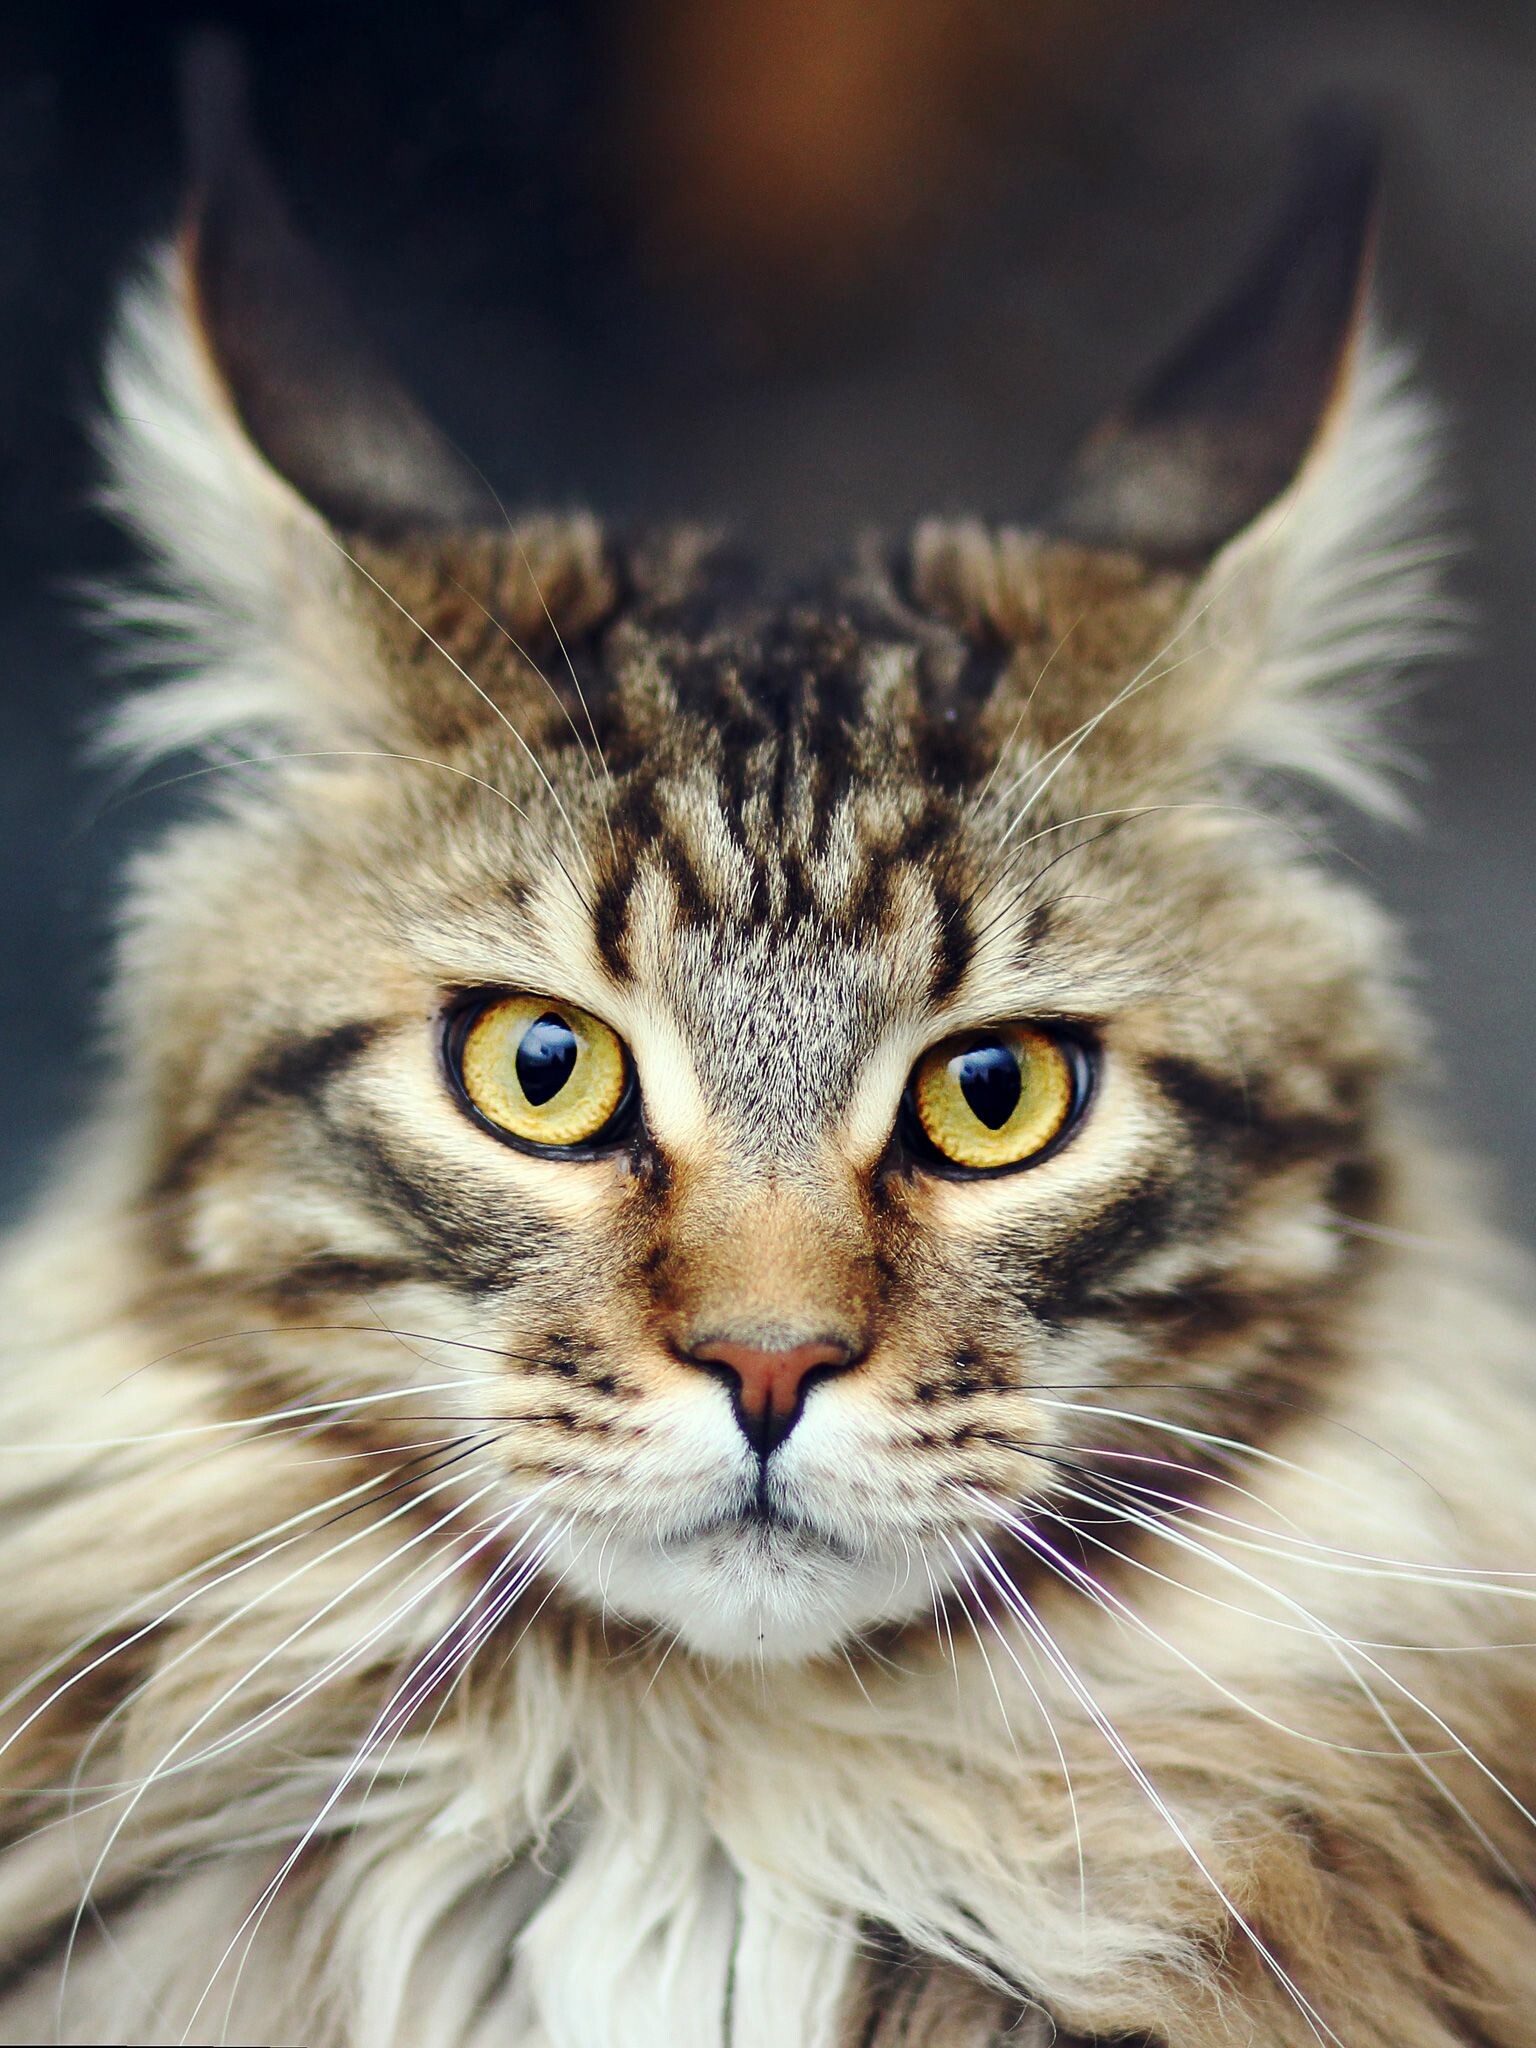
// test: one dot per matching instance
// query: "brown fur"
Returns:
(403, 1644)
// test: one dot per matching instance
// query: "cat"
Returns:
(764, 1339)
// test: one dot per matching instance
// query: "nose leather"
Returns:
(769, 1387)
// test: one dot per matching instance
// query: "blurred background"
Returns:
(804, 266)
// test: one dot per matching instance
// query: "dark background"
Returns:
(802, 265)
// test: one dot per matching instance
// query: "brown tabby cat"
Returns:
(762, 1344)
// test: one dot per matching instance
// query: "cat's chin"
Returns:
(747, 1590)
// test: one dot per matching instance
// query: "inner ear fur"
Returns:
(1222, 430)
(313, 397)
(1272, 503)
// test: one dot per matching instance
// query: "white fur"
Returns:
(588, 1850)
(248, 608)
(1320, 608)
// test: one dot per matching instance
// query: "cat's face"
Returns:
(762, 1352)
(771, 1087)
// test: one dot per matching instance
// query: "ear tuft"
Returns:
(1283, 456)
(250, 435)
(245, 605)
(1316, 614)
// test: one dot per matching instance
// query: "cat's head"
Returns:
(776, 1085)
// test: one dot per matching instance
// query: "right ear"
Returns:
(1223, 430)
(253, 439)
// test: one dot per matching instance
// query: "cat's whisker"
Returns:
(1308, 1551)
(254, 1552)
(941, 1621)
(515, 536)
(160, 1770)
(362, 1454)
(901, 1570)
(1385, 1233)
(1047, 1721)
(400, 1705)
(1294, 1548)
(1144, 679)
(523, 655)
(1008, 911)
(1241, 1448)
(504, 1353)
(1171, 1531)
(1109, 1602)
(232, 763)
(963, 1588)
(496, 1522)
(554, 1585)
(581, 695)
(671, 1643)
(1025, 1614)
(1230, 1446)
(1199, 1474)
(1123, 1490)
(496, 1599)
(404, 1339)
(974, 807)
(1121, 818)
(856, 1675)
(111, 1792)
(237, 1424)
(264, 1594)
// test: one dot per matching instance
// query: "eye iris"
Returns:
(546, 1058)
(553, 1078)
(988, 1077)
(999, 1099)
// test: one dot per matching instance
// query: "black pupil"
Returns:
(990, 1081)
(545, 1058)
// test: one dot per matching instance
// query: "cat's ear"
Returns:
(306, 386)
(1286, 462)
(1224, 428)
(253, 438)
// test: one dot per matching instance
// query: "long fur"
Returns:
(352, 1693)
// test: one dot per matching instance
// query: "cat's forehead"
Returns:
(687, 665)
(785, 806)
(770, 745)
(783, 874)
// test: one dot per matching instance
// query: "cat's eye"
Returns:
(542, 1073)
(989, 1101)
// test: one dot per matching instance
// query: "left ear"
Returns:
(254, 441)
(1283, 459)
(311, 394)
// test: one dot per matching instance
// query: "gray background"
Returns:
(479, 174)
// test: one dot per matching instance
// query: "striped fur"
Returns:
(402, 1646)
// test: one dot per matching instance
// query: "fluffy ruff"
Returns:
(1163, 1679)
(1246, 1790)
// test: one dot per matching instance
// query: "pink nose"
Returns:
(769, 1386)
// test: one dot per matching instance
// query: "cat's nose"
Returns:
(768, 1387)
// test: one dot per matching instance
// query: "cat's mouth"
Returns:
(770, 1527)
(748, 1580)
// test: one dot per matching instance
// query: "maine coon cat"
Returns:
(763, 1341)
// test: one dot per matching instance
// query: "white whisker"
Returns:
(1028, 1619)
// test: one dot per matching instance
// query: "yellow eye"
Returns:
(543, 1072)
(994, 1099)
